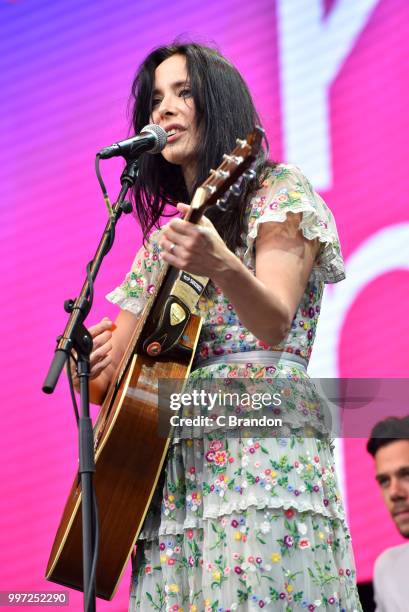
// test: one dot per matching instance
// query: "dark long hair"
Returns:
(224, 111)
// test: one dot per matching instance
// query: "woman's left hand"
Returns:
(197, 249)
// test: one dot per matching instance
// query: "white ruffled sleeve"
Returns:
(139, 283)
(285, 191)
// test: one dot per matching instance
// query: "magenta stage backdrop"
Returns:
(330, 79)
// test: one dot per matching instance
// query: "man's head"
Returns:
(389, 445)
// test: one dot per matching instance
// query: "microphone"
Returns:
(152, 139)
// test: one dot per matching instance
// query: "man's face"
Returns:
(392, 474)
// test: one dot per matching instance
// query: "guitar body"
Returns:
(129, 452)
(129, 456)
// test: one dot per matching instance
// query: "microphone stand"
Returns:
(77, 337)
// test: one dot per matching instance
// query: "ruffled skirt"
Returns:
(244, 523)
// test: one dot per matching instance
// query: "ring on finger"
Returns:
(172, 247)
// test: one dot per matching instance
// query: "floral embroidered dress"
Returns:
(244, 523)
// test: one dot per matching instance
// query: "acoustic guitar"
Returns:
(129, 452)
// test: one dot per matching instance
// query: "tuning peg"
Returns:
(235, 189)
(220, 173)
(222, 204)
(235, 159)
(250, 174)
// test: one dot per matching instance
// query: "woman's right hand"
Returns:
(101, 355)
(109, 345)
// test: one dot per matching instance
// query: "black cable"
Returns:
(102, 185)
(71, 384)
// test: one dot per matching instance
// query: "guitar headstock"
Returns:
(228, 174)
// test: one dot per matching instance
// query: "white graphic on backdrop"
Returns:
(312, 51)
(383, 252)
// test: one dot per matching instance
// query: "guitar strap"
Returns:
(189, 288)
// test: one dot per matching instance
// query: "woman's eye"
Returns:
(185, 93)
(155, 102)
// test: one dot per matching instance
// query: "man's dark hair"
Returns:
(385, 432)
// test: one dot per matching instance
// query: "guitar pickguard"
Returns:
(179, 305)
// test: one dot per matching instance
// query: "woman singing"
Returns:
(237, 523)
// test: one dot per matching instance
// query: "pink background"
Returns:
(65, 71)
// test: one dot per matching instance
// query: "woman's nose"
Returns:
(166, 107)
